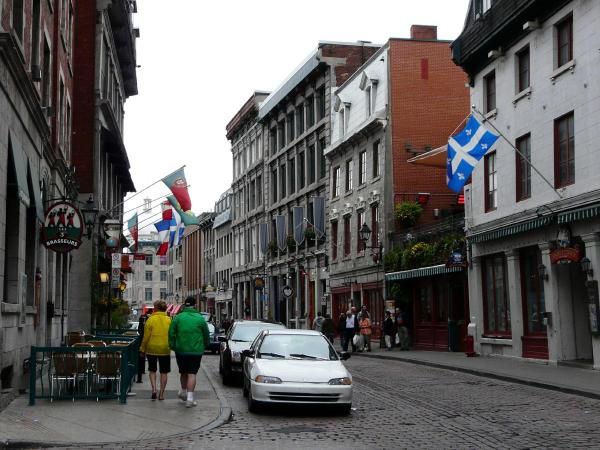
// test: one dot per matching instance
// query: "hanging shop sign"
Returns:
(287, 291)
(565, 253)
(259, 283)
(457, 259)
(62, 228)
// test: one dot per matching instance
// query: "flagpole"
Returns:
(145, 189)
(474, 108)
(151, 201)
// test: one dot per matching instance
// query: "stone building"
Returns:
(223, 257)
(535, 246)
(295, 121)
(248, 206)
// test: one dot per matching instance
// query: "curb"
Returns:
(486, 374)
(224, 416)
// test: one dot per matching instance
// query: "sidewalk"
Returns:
(572, 380)
(107, 421)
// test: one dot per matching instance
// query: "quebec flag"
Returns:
(465, 149)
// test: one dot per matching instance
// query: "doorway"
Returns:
(535, 338)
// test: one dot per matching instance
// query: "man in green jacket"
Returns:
(188, 336)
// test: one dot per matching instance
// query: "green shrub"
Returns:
(408, 213)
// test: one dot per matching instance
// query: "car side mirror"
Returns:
(248, 354)
(345, 355)
(221, 338)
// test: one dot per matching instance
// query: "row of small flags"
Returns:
(176, 214)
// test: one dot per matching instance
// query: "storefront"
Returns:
(438, 306)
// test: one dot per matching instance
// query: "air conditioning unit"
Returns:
(36, 73)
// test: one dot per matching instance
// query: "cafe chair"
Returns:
(65, 371)
(108, 369)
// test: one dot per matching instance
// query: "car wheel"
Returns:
(345, 409)
(253, 405)
(244, 387)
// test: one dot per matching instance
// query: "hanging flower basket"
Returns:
(309, 233)
(408, 213)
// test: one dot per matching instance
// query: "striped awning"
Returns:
(587, 212)
(510, 230)
(421, 272)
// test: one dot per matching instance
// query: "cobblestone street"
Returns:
(404, 405)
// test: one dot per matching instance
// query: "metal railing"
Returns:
(84, 371)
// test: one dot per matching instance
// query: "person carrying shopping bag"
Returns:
(365, 331)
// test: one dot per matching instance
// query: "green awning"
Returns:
(510, 230)
(20, 163)
(37, 196)
(587, 212)
(421, 272)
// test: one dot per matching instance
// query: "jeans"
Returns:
(403, 337)
(366, 342)
(348, 335)
(388, 341)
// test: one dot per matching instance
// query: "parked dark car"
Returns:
(214, 343)
(239, 338)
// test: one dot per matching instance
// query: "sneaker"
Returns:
(182, 396)
(189, 404)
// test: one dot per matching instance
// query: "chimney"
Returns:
(423, 32)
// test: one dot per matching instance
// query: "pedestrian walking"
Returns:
(350, 326)
(388, 330)
(327, 328)
(155, 345)
(318, 322)
(188, 336)
(365, 330)
(141, 358)
(401, 330)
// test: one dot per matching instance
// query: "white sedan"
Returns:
(295, 367)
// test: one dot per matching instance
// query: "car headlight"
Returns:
(236, 356)
(341, 381)
(268, 380)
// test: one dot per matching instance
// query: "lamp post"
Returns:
(364, 234)
(90, 212)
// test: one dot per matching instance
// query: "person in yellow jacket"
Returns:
(155, 345)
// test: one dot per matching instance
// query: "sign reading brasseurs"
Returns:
(62, 228)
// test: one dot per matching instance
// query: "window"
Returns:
(336, 181)
(348, 175)
(281, 135)
(489, 83)
(61, 113)
(375, 159)
(292, 169)
(148, 294)
(491, 187)
(149, 260)
(374, 226)
(35, 36)
(46, 75)
(322, 161)
(259, 193)
(68, 132)
(291, 127)
(148, 275)
(300, 119)
(523, 78)
(17, 18)
(273, 140)
(163, 275)
(564, 41)
(321, 103)
(360, 219)
(312, 161)
(163, 260)
(368, 101)
(274, 184)
(532, 291)
(362, 168)
(163, 293)
(495, 298)
(347, 236)
(482, 6)
(282, 181)
(301, 171)
(342, 122)
(310, 111)
(523, 175)
(334, 240)
(564, 150)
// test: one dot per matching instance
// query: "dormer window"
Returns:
(481, 6)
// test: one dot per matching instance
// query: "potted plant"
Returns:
(408, 213)
(309, 233)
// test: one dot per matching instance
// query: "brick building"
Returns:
(105, 58)
(407, 98)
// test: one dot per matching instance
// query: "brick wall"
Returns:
(355, 56)
(428, 101)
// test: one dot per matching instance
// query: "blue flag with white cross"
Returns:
(465, 150)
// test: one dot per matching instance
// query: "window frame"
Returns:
(348, 179)
(565, 22)
(336, 182)
(347, 237)
(487, 191)
(334, 240)
(523, 185)
(489, 85)
(360, 219)
(523, 59)
(559, 182)
(375, 158)
(485, 266)
(362, 167)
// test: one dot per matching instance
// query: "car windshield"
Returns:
(296, 346)
(247, 332)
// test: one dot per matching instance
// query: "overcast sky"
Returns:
(200, 61)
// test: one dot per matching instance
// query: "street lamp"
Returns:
(90, 212)
(112, 229)
(364, 234)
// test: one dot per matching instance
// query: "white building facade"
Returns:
(532, 293)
